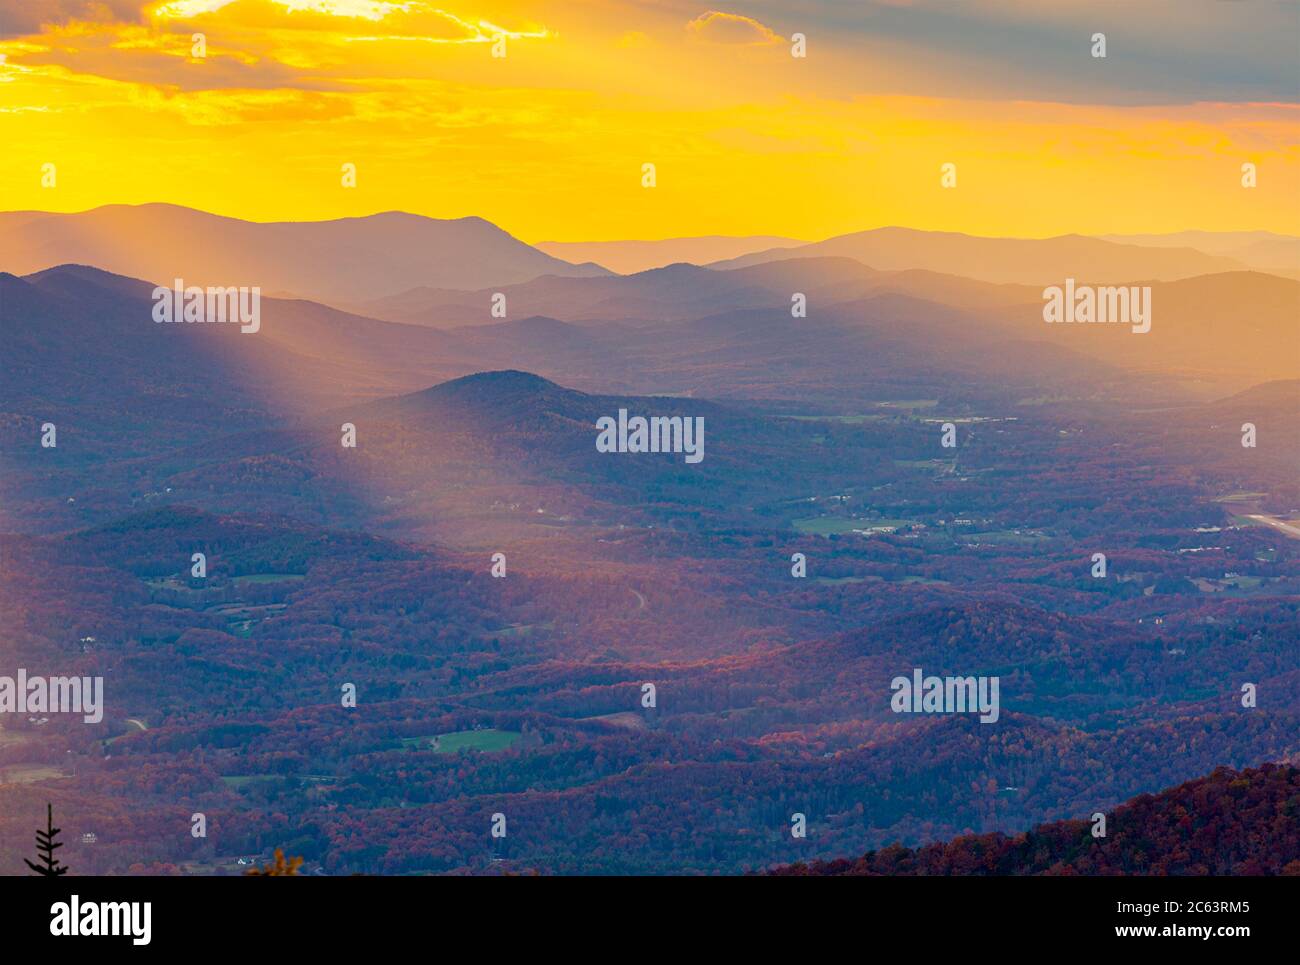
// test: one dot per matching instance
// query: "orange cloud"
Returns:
(269, 44)
(717, 27)
(376, 19)
(549, 141)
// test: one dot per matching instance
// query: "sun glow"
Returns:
(539, 117)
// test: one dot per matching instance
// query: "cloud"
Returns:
(19, 17)
(353, 19)
(256, 44)
(356, 19)
(717, 27)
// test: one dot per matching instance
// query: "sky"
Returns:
(549, 140)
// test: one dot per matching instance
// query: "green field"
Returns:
(1241, 497)
(909, 404)
(241, 618)
(518, 630)
(848, 420)
(901, 406)
(1001, 536)
(486, 741)
(29, 773)
(939, 465)
(832, 525)
(168, 583)
(1243, 583)
(237, 781)
(183, 582)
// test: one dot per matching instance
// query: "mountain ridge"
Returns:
(1226, 823)
(1030, 261)
(341, 259)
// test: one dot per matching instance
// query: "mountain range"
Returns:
(344, 260)
(630, 257)
(395, 488)
(1047, 261)
(350, 260)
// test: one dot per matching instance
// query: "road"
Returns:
(1289, 528)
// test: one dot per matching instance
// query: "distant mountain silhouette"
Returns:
(1272, 407)
(1231, 329)
(725, 334)
(344, 259)
(630, 257)
(682, 291)
(676, 291)
(1282, 395)
(883, 345)
(1262, 250)
(1225, 330)
(1029, 261)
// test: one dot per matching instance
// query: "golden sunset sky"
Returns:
(548, 142)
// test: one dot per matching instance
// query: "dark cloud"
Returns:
(1159, 51)
(19, 17)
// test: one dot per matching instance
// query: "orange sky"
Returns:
(548, 142)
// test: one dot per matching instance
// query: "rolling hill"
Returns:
(1228, 823)
(81, 340)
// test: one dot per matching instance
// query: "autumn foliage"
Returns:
(1229, 823)
(280, 866)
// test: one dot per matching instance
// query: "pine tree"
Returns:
(45, 844)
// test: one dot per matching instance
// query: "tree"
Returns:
(45, 844)
(281, 867)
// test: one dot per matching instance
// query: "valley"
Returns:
(459, 615)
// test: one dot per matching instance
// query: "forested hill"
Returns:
(1229, 823)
